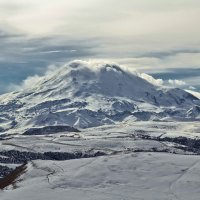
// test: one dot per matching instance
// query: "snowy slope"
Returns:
(137, 161)
(134, 176)
(84, 94)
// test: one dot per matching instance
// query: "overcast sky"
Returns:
(160, 37)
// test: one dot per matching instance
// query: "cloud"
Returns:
(149, 36)
(94, 66)
(157, 82)
(192, 88)
(123, 21)
(176, 83)
(121, 33)
(29, 81)
(169, 53)
(21, 57)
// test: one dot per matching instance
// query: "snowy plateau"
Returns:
(99, 131)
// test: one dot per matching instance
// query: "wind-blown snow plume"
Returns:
(89, 93)
(94, 66)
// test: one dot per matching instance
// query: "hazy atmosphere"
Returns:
(157, 37)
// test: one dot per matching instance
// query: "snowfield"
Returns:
(147, 176)
(96, 131)
(135, 164)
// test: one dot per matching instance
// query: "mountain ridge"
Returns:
(84, 94)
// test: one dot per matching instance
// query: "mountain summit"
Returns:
(84, 94)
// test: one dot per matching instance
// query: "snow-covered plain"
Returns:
(137, 176)
(130, 168)
(108, 138)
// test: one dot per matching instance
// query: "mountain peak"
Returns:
(84, 94)
(79, 78)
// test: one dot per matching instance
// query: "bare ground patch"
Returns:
(11, 178)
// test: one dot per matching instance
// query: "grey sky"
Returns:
(155, 36)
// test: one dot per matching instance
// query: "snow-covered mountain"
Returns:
(83, 94)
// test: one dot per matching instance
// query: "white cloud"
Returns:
(192, 88)
(157, 82)
(176, 83)
(151, 23)
(121, 32)
(194, 81)
(95, 66)
(27, 83)
(31, 81)
(152, 64)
